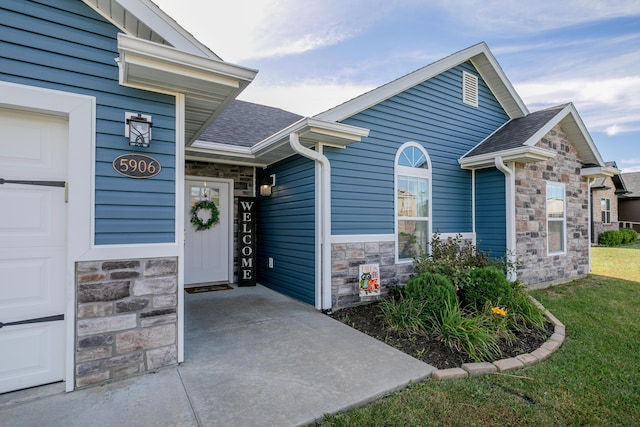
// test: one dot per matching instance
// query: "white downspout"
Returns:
(323, 213)
(510, 201)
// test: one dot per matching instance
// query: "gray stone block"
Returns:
(127, 359)
(134, 304)
(508, 364)
(479, 368)
(105, 291)
(100, 325)
(160, 267)
(146, 339)
(120, 265)
(449, 374)
(527, 359)
(97, 377)
(164, 285)
(95, 309)
(95, 341)
(159, 357)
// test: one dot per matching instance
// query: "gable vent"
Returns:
(469, 89)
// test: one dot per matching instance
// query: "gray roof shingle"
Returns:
(516, 132)
(245, 124)
(632, 183)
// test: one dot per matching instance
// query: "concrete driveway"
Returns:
(253, 357)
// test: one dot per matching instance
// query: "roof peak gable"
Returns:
(481, 58)
(143, 19)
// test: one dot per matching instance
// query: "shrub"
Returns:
(472, 334)
(486, 284)
(617, 237)
(610, 238)
(433, 290)
(453, 258)
(629, 235)
(403, 315)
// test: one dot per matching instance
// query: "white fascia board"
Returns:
(214, 148)
(599, 172)
(304, 126)
(401, 84)
(172, 59)
(577, 120)
(524, 154)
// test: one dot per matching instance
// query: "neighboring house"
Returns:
(97, 244)
(604, 203)
(629, 203)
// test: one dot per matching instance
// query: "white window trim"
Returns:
(564, 218)
(605, 210)
(408, 171)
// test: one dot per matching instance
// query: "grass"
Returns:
(622, 262)
(593, 379)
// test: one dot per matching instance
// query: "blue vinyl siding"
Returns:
(433, 115)
(491, 233)
(64, 45)
(286, 230)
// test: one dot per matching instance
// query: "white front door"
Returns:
(33, 147)
(207, 253)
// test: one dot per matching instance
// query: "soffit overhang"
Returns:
(207, 84)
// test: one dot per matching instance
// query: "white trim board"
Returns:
(80, 111)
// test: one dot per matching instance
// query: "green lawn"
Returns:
(593, 379)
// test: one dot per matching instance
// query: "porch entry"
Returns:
(33, 248)
(208, 253)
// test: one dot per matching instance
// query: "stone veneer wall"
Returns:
(598, 225)
(243, 179)
(538, 268)
(126, 320)
(345, 259)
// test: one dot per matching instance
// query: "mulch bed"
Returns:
(366, 318)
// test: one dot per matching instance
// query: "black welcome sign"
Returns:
(247, 241)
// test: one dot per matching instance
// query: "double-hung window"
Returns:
(556, 219)
(412, 201)
(605, 210)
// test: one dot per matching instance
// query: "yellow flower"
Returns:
(500, 311)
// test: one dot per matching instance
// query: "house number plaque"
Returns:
(137, 166)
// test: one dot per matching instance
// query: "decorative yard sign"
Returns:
(369, 279)
(246, 241)
(135, 165)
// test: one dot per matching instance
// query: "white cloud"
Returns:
(240, 30)
(499, 16)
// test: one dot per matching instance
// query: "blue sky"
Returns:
(315, 54)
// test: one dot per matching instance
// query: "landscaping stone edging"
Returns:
(527, 359)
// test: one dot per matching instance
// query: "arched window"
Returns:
(413, 201)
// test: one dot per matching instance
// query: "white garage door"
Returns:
(33, 147)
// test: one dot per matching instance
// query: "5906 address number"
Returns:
(136, 166)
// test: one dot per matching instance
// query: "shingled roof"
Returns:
(515, 133)
(632, 183)
(245, 124)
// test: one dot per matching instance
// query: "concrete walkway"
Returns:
(253, 357)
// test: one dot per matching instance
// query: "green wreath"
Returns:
(199, 223)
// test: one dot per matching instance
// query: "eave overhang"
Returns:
(207, 84)
(525, 154)
(275, 148)
(599, 171)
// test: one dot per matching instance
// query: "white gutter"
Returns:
(323, 221)
(510, 202)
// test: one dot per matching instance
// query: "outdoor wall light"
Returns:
(267, 184)
(138, 129)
